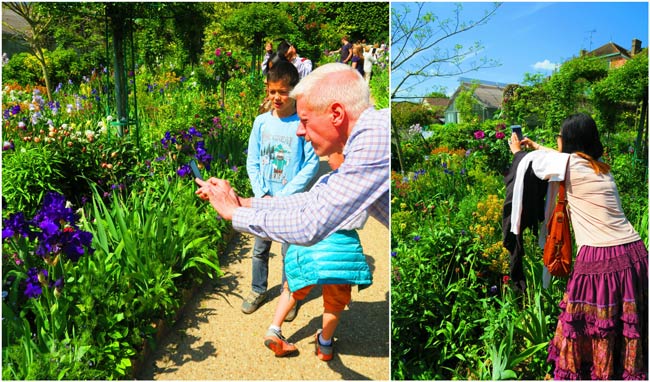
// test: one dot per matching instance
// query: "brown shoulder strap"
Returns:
(562, 192)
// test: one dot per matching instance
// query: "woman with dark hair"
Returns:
(602, 330)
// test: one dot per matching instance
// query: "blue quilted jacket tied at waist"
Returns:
(337, 259)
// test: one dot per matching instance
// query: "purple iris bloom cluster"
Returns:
(57, 236)
(13, 110)
(36, 280)
(55, 232)
(54, 227)
(166, 139)
(192, 143)
(33, 287)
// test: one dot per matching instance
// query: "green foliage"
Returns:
(33, 173)
(466, 104)
(405, 114)
(524, 105)
(379, 87)
(367, 20)
(570, 89)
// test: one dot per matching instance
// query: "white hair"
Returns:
(334, 82)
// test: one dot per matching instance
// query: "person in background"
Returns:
(268, 49)
(357, 59)
(369, 60)
(304, 65)
(345, 50)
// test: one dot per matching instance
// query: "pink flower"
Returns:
(228, 54)
(217, 52)
(479, 134)
(211, 62)
(499, 135)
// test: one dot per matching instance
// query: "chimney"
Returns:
(636, 47)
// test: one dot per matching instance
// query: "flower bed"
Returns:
(102, 233)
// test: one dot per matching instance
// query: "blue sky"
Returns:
(532, 37)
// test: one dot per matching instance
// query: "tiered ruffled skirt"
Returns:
(602, 332)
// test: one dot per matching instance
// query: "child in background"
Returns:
(279, 163)
(336, 259)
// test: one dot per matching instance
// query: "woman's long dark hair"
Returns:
(580, 135)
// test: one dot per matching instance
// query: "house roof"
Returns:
(487, 94)
(12, 20)
(610, 49)
(490, 96)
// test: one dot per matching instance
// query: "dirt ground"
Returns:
(215, 340)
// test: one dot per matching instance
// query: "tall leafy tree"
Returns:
(252, 24)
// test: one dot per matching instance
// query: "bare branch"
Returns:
(416, 45)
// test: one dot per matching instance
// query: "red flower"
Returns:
(506, 278)
(499, 135)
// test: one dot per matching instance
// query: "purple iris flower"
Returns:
(33, 285)
(193, 131)
(183, 170)
(15, 225)
(76, 242)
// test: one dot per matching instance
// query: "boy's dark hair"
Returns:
(283, 48)
(283, 71)
(579, 134)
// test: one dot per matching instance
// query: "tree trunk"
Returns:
(398, 147)
(118, 26)
(40, 56)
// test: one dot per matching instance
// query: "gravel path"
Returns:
(215, 340)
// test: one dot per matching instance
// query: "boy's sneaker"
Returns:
(252, 302)
(278, 344)
(324, 352)
(292, 313)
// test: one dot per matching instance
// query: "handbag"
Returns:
(558, 249)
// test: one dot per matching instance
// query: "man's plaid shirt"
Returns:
(361, 183)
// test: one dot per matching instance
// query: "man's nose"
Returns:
(301, 132)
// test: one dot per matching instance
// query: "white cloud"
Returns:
(546, 65)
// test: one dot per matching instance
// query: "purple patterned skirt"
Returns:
(602, 332)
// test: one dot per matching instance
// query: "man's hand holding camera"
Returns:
(221, 195)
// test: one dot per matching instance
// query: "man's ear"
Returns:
(338, 114)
